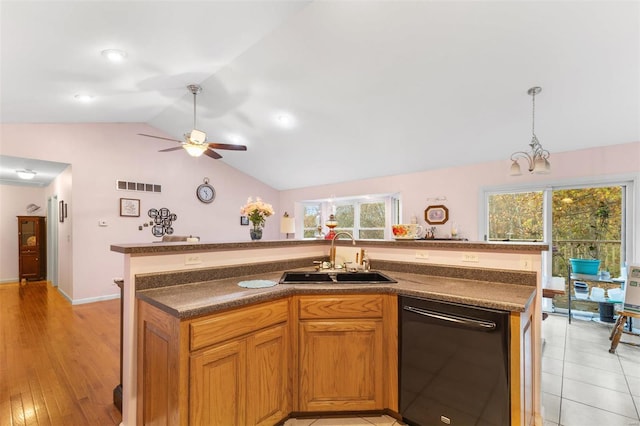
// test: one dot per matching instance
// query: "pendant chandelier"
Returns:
(538, 158)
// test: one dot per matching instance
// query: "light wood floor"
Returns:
(58, 363)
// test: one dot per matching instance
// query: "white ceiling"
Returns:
(376, 88)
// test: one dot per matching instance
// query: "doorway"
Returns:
(52, 240)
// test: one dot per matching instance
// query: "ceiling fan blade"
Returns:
(175, 148)
(227, 146)
(159, 137)
(211, 153)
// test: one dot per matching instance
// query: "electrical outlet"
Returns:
(422, 255)
(470, 257)
(192, 259)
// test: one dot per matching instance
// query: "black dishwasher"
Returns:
(454, 364)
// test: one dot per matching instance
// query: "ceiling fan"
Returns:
(195, 142)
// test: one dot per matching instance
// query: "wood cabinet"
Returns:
(32, 246)
(343, 352)
(235, 365)
(256, 365)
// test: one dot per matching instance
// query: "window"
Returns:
(516, 216)
(366, 217)
(581, 220)
(372, 221)
(312, 215)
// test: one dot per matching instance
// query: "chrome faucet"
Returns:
(332, 253)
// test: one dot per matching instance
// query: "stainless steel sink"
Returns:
(324, 277)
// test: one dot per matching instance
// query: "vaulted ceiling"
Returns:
(331, 91)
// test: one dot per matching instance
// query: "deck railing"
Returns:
(609, 254)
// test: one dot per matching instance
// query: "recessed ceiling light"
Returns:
(285, 120)
(235, 138)
(83, 97)
(114, 55)
(26, 174)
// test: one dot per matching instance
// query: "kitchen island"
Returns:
(154, 271)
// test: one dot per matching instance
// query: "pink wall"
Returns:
(462, 186)
(102, 153)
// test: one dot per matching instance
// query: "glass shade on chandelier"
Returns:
(538, 158)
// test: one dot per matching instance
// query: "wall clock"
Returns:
(205, 192)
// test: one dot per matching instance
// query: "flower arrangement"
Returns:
(257, 211)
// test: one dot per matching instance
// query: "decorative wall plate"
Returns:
(436, 215)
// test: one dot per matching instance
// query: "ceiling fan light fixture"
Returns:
(26, 174)
(197, 136)
(194, 149)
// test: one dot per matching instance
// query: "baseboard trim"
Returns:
(94, 299)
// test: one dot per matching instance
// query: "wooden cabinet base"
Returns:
(299, 356)
(238, 374)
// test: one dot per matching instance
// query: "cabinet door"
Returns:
(29, 265)
(268, 382)
(341, 365)
(217, 394)
(28, 233)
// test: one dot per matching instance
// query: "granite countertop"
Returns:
(178, 247)
(191, 300)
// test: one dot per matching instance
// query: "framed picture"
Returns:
(129, 207)
(244, 220)
(436, 215)
(61, 210)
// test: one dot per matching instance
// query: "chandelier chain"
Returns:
(533, 114)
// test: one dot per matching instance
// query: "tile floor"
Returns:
(582, 383)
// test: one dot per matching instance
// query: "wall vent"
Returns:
(123, 185)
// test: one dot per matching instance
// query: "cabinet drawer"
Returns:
(340, 306)
(226, 326)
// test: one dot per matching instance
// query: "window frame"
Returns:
(630, 193)
(327, 207)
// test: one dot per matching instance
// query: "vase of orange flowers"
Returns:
(257, 211)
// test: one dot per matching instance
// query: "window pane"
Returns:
(516, 217)
(371, 234)
(311, 216)
(372, 215)
(587, 223)
(344, 216)
(310, 233)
